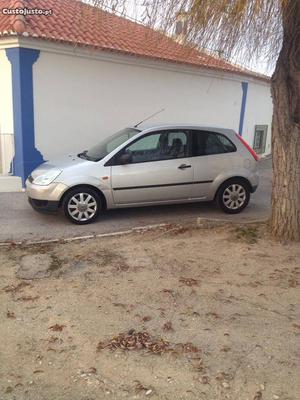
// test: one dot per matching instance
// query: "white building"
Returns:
(78, 74)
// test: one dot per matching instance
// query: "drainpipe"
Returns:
(243, 107)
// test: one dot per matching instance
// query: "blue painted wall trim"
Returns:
(27, 157)
(243, 107)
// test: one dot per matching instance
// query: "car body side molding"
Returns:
(164, 185)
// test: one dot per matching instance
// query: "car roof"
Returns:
(154, 127)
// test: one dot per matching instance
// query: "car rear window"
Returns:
(207, 143)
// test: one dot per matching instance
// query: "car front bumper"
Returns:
(45, 198)
(44, 206)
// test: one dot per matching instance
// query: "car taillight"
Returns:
(251, 151)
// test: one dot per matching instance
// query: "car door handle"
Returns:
(184, 166)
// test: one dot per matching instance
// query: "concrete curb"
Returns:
(86, 237)
(206, 223)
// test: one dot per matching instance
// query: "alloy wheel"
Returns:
(234, 196)
(82, 207)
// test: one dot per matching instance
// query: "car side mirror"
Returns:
(125, 158)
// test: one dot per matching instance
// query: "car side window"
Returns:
(209, 143)
(148, 144)
(177, 135)
(158, 146)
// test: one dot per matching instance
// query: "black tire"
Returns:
(89, 207)
(239, 199)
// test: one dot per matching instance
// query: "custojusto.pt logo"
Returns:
(27, 11)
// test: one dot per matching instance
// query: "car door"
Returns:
(160, 169)
(212, 155)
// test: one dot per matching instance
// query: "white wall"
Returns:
(259, 110)
(80, 100)
(6, 114)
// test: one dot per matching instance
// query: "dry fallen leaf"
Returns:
(169, 291)
(139, 387)
(14, 289)
(119, 305)
(213, 314)
(221, 376)
(189, 281)
(187, 348)
(28, 298)
(293, 283)
(133, 340)
(57, 327)
(167, 327)
(54, 339)
(204, 380)
(225, 349)
(258, 396)
(146, 318)
(10, 315)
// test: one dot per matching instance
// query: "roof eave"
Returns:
(246, 74)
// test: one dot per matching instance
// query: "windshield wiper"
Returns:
(84, 156)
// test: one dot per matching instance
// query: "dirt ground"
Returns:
(205, 314)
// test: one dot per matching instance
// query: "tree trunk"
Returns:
(285, 221)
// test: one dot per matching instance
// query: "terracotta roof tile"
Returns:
(74, 22)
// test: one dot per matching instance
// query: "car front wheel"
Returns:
(233, 196)
(82, 205)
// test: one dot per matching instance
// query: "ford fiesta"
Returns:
(140, 167)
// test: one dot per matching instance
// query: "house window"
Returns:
(260, 137)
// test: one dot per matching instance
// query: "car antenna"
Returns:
(146, 119)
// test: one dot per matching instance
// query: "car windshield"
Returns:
(109, 144)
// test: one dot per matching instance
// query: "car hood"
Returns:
(60, 163)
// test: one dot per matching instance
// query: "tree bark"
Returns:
(285, 220)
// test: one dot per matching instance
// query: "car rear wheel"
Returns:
(233, 196)
(82, 205)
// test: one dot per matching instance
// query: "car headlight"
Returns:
(47, 177)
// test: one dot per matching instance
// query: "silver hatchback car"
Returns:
(139, 167)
